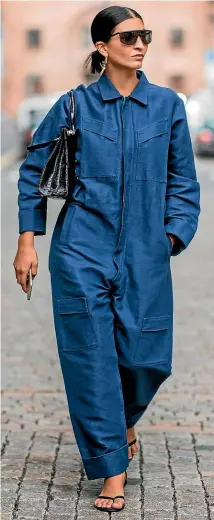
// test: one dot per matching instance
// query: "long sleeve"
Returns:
(32, 214)
(183, 190)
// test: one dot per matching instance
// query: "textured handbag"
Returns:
(60, 166)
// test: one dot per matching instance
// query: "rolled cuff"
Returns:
(107, 465)
(33, 220)
(183, 231)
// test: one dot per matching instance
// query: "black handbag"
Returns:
(59, 169)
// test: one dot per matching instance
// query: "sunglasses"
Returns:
(130, 37)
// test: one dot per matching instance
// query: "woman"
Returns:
(134, 204)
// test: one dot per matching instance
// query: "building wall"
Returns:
(59, 59)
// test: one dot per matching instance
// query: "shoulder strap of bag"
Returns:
(72, 111)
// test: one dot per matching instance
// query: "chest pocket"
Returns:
(152, 151)
(99, 149)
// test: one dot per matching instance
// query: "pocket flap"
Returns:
(156, 128)
(156, 323)
(100, 128)
(72, 305)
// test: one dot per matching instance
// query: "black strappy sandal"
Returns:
(112, 509)
(130, 444)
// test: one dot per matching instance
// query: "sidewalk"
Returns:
(172, 476)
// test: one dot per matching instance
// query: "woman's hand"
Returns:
(172, 238)
(25, 258)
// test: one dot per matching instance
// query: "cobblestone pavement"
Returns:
(172, 476)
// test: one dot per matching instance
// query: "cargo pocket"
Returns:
(77, 332)
(155, 342)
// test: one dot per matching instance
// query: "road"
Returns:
(172, 477)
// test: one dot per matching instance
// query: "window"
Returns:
(33, 85)
(176, 82)
(33, 38)
(211, 17)
(176, 37)
(86, 36)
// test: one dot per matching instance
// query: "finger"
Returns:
(18, 275)
(24, 280)
(21, 273)
(34, 269)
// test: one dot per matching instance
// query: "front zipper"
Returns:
(124, 99)
(123, 173)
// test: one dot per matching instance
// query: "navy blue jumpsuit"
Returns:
(110, 252)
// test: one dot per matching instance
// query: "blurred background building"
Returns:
(45, 43)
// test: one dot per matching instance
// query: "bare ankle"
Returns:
(115, 478)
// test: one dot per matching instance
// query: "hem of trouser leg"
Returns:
(132, 423)
(112, 463)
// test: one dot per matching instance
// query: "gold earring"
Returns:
(105, 62)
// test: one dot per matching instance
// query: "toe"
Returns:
(118, 503)
(97, 502)
(134, 447)
(130, 453)
(103, 502)
(109, 503)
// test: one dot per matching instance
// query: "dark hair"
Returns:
(101, 29)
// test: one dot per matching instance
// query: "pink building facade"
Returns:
(45, 44)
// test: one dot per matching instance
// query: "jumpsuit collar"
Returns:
(109, 91)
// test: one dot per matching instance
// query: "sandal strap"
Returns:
(132, 442)
(112, 498)
(105, 496)
(117, 496)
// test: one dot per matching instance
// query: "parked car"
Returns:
(200, 108)
(31, 112)
(36, 116)
(204, 139)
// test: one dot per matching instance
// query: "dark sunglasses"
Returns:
(130, 37)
